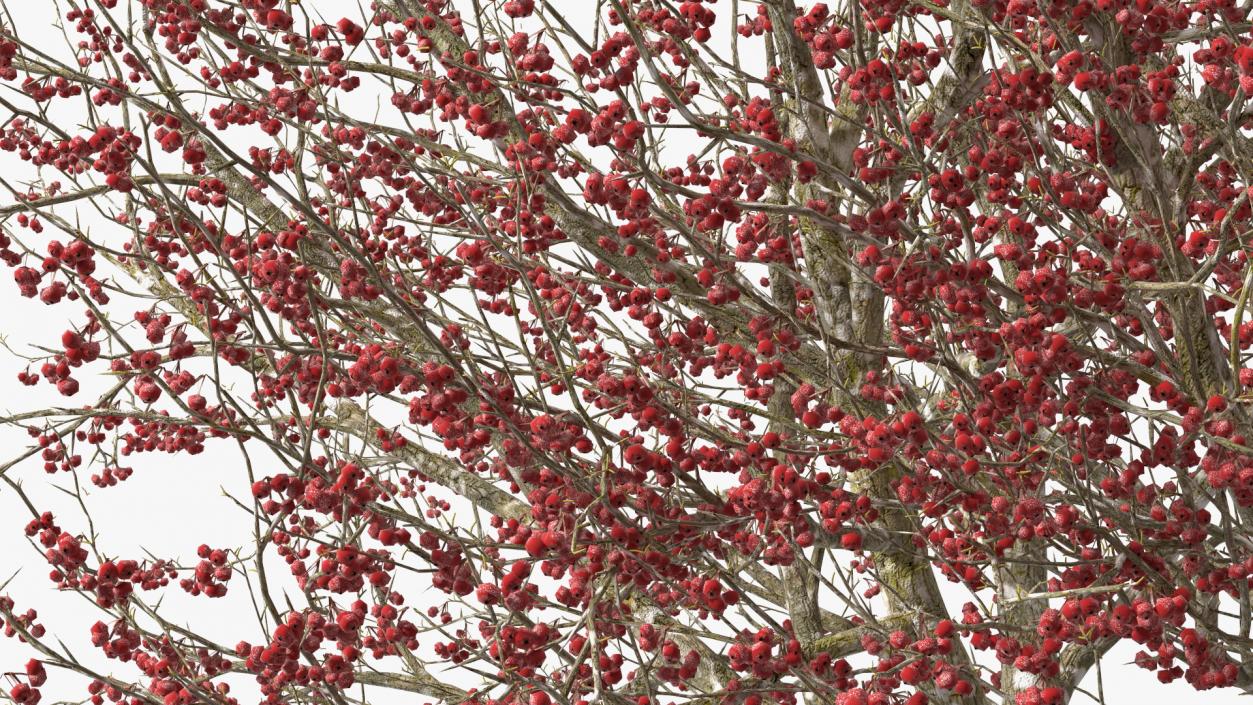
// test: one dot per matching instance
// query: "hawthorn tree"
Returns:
(640, 351)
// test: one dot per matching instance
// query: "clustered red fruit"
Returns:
(689, 380)
(211, 573)
(111, 582)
